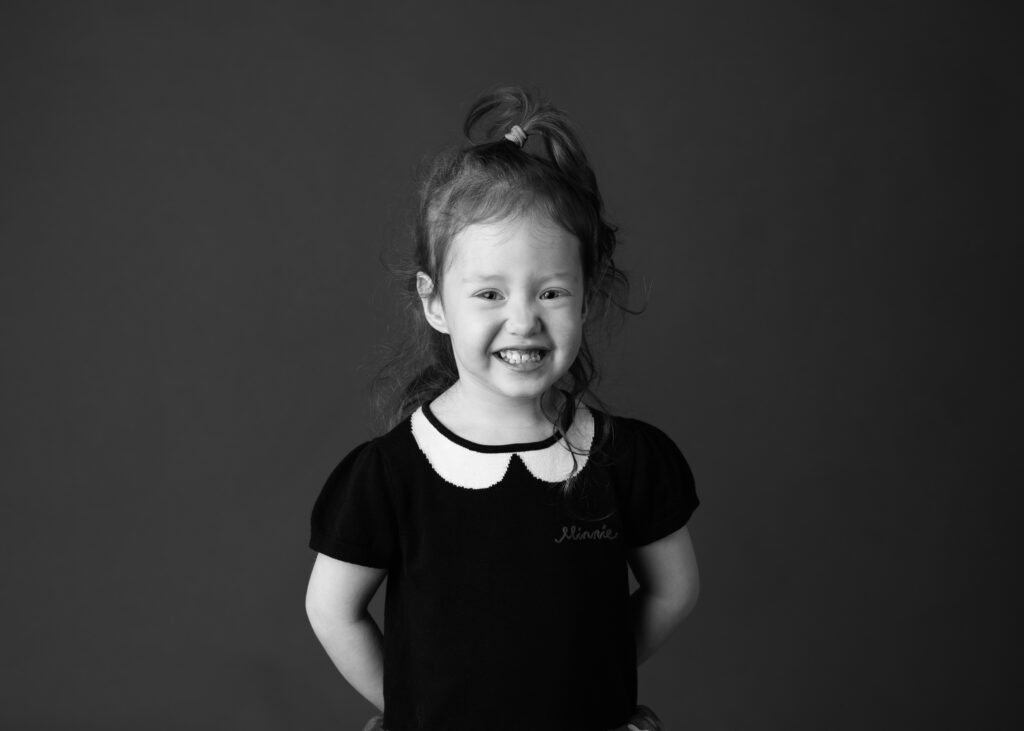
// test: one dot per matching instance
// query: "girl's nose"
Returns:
(522, 318)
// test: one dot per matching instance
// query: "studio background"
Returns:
(194, 199)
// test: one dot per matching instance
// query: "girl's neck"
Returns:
(495, 420)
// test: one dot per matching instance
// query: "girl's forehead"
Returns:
(523, 241)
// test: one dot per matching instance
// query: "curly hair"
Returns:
(492, 178)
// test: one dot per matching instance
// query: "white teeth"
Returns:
(519, 356)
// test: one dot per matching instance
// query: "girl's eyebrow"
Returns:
(486, 278)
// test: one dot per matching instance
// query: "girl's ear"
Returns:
(432, 307)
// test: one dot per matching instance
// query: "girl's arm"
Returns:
(666, 571)
(336, 601)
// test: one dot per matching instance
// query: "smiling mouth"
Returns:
(516, 357)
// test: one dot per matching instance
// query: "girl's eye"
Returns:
(491, 294)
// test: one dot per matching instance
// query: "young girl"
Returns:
(502, 508)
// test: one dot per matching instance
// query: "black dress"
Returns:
(507, 605)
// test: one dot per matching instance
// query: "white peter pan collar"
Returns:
(476, 466)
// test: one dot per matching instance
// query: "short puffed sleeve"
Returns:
(353, 519)
(662, 495)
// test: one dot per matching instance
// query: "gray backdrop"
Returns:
(194, 201)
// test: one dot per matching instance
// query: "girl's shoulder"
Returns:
(633, 434)
(395, 440)
(372, 460)
(653, 481)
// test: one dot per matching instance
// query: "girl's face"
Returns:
(511, 284)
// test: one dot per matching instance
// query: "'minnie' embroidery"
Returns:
(573, 533)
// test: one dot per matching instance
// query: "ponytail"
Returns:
(496, 112)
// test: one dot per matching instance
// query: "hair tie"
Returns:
(517, 135)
